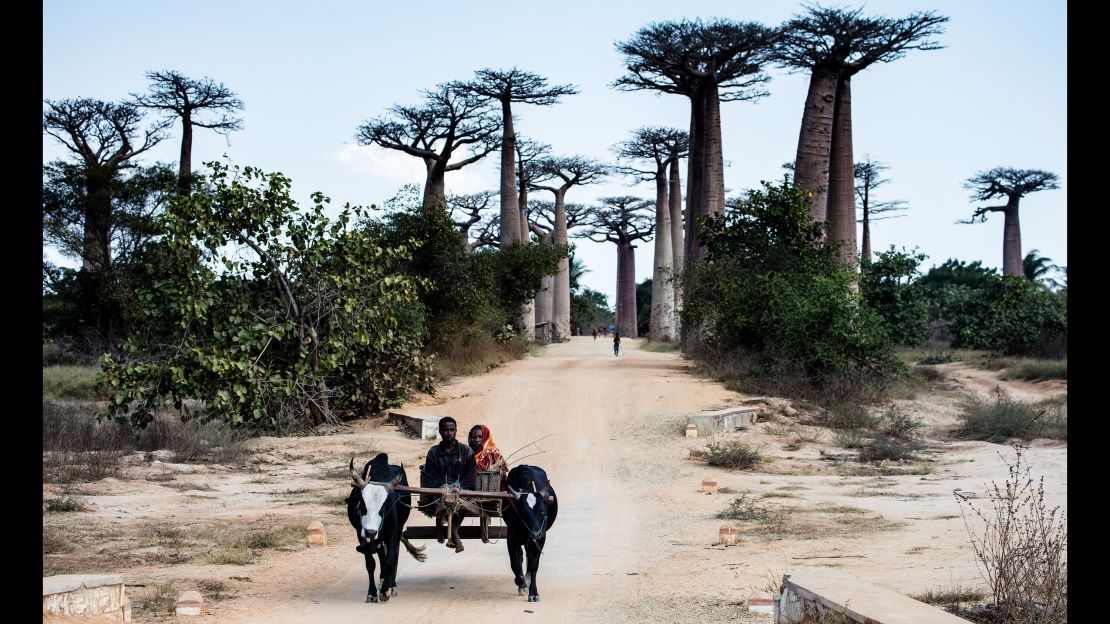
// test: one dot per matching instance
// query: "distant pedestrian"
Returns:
(595, 334)
(616, 343)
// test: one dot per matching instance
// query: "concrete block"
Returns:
(85, 595)
(729, 535)
(691, 431)
(316, 535)
(189, 603)
(708, 485)
(718, 421)
(425, 426)
(815, 595)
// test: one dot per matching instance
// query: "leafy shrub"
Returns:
(776, 300)
(882, 448)
(743, 507)
(895, 422)
(943, 357)
(1006, 418)
(887, 285)
(733, 454)
(1013, 316)
(844, 415)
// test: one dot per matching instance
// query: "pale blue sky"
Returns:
(310, 73)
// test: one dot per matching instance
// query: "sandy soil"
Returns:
(634, 541)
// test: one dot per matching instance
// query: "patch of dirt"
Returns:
(635, 541)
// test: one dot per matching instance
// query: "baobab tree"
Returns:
(868, 178)
(104, 137)
(661, 147)
(542, 224)
(506, 87)
(622, 220)
(467, 210)
(558, 175)
(834, 45)
(450, 119)
(1013, 184)
(203, 103)
(527, 151)
(709, 63)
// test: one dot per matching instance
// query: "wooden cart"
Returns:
(484, 503)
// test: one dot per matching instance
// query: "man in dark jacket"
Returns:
(446, 463)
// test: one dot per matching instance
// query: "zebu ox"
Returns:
(378, 514)
(528, 518)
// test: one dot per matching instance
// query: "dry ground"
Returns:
(634, 541)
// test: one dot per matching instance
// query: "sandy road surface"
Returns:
(634, 539)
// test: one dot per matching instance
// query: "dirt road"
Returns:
(634, 539)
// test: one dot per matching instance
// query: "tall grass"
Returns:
(473, 355)
(77, 447)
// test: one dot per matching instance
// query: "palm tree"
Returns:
(1037, 268)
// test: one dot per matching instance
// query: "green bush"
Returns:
(844, 415)
(882, 448)
(304, 322)
(888, 286)
(743, 507)
(1006, 418)
(733, 454)
(895, 422)
(777, 300)
(1013, 316)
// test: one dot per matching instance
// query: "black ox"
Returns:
(527, 519)
(378, 514)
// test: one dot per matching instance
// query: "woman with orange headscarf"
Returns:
(486, 453)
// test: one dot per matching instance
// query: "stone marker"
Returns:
(189, 603)
(691, 431)
(708, 485)
(316, 535)
(729, 536)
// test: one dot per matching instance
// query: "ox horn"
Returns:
(545, 492)
(359, 481)
(395, 481)
(515, 493)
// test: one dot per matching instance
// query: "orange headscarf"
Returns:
(489, 454)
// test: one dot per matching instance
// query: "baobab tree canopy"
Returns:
(204, 103)
(835, 44)
(451, 118)
(707, 62)
(508, 86)
(104, 137)
(687, 56)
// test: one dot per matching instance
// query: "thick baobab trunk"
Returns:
(842, 196)
(1011, 241)
(528, 312)
(185, 170)
(662, 290)
(714, 190)
(435, 189)
(545, 299)
(561, 312)
(675, 200)
(97, 241)
(626, 289)
(811, 164)
(510, 211)
(694, 179)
